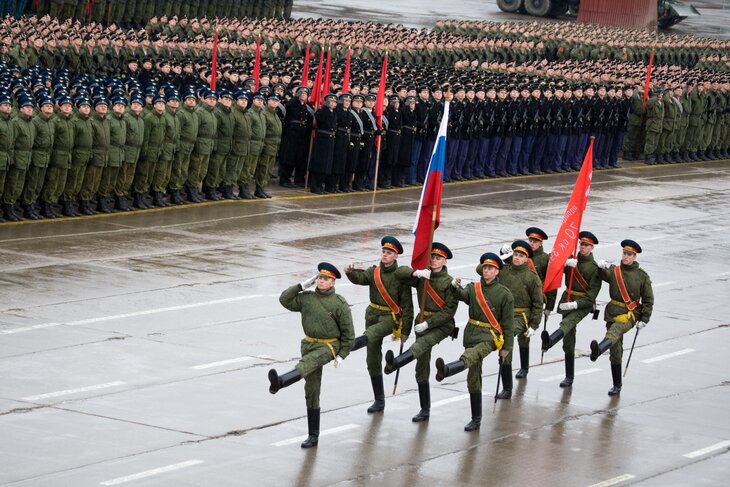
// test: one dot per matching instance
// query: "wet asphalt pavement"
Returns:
(714, 20)
(134, 348)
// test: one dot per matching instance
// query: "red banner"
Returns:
(346, 78)
(648, 77)
(317, 95)
(214, 64)
(305, 68)
(567, 238)
(327, 83)
(257, 65)
(380, 98)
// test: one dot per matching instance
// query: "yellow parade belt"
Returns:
(624, 318)
(326, 341)
(498, 340)
(398, 320)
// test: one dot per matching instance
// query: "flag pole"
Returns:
(499, 377)
(631, 352)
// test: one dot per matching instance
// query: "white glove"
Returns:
(349, 268)
(506, 256)
(506, 249)
(571, 262)
(568, 306)
(422, 273)
(602, 264)
(529, 332)
(309, 282)
(546, 313)
(338, 361)
(421, 327)
(456, 282)
(640, 325)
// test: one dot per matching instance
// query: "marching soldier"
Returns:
(526, 290)
(632, 302)
(329, 335)
(434, 288)
(576, 302)
(390, 311)
(539, 263)
(490, 328)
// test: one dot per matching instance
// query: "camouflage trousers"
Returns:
(314, 357)
(198, 169)
(568, 324)
(125, 178)
(615, 332)
(632, 141)
(161, 176)
(92, 180)
(74, 179)
(652, 142)
(108, 181)
(692, 138)
(263, 169)
(143, 175)
(14, 182)
(422, 351)
(180, 168)
(216, 167)
(473, 358)
(233, 168)
(249, 168)
(55, 182)
(376, 332)
(34, 179)
(3, 173)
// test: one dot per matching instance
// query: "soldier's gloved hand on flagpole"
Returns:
(602, 264)
(338, 361)
(421, 327)
(546, 313)
(422, 273)
(529, 332)
(571, 262)
(309, 282)
(568, 306)
(503, 353)
(640, 325)
(349, 268)
(506, 249)
(456, 282)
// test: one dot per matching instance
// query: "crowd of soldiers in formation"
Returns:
(178, 142)
(506, 307)
(137, 12)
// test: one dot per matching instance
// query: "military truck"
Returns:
(669, 12)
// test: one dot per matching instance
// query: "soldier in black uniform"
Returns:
(423, 103)
(342, 143)
(324, 144)
(433, 122)
(295, 140)
(389, 154)
(365, 158)
(356, 143)
(407, 132)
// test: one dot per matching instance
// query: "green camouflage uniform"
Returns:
(154, 138)
(325, 315)
(239, 146)
(134, 124)
(586, 299)
(40, 156)
(200, 158)
(24, 130)
(7, 141)
(188, 121)
(526, 289)
(101, 141)
(223, 140)
(80, 155)
(654, 125)
(163, 169)
(117, 141)
(63, 142)
(256, 144)
(271, 147)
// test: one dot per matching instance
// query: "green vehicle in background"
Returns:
(669, 12)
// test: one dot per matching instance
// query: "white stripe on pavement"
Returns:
(668, 355)
(580, 372)
(709, 449)
(74, 391)
(154, 471)
(444, 402)
(28, 328)
(662, 284)
(221, 363)
(330, 431)
(614, 481)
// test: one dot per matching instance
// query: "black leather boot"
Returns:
(244, 192)
(424, 396)
(85, 208)
(102, 205)
(393, 363)
(444, 370)
(284, 380)
(47, 210)
(524, 363)
(176, 197)
(548, 340)
(313, 423)
(597, 349)
(360, 342)
(506, 373)
(9, 212)
(379, 394)
(158, 199)
(28, 212)
(476, 411)
(260, 193)
(616, 374)
(569, 371)
(137, 201)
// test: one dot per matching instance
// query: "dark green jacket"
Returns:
(324, 315)
(224, 134)
(526, 289)
(398, 290)
(241, 132)
(172, 135)
(207, 129)
(500, 302)
(101, 140)
(154, 135)
(188, 128)
(258, 130)
(24, 131)
(638, 285)
(63, 140)
(589, 270)
(135, 136)
(43, 142)
(82, 139)
(273, 132)
(7, 141)
(117, 139)
(441, 283)
(654, 115)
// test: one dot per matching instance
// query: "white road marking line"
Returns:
(722, 274)
(28, 328)
(668, 355)
(74, 391)
(330, 431)
(709, 449)
(444, 402)
(661, 284)
(560, 377)
(221, 363)
(154, 471)
(614, 481)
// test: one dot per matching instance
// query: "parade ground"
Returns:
(134, 348)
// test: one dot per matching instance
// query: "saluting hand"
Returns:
(602, 264)
(309, 282)
(349, 268)
(456, 282)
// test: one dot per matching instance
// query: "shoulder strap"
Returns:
(485, 307)
(630, 305)
(434, 295)
(384, 292)
(581, 280)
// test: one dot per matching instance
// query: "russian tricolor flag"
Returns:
(429, 208)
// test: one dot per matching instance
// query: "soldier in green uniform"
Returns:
(256, 144)
(24, 137)
(80, 155)
(390, 311)
(632, 142)
(154, 137)
(100, 143)
(239, 147)
(670, 123)
(632, 302)
(539, 263)
(680, 145)
(40, 155)
(490, 328)
(134, 125)
(117, 141)
(199, 159)
(654, 126)
(584, 283)
(526, 288)
(63, 142)
(435, 322)
(272, 141)
(697, 97)
(188, 134)
(163, 169)
(329, 335)
(223, 141)
(7, 140)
